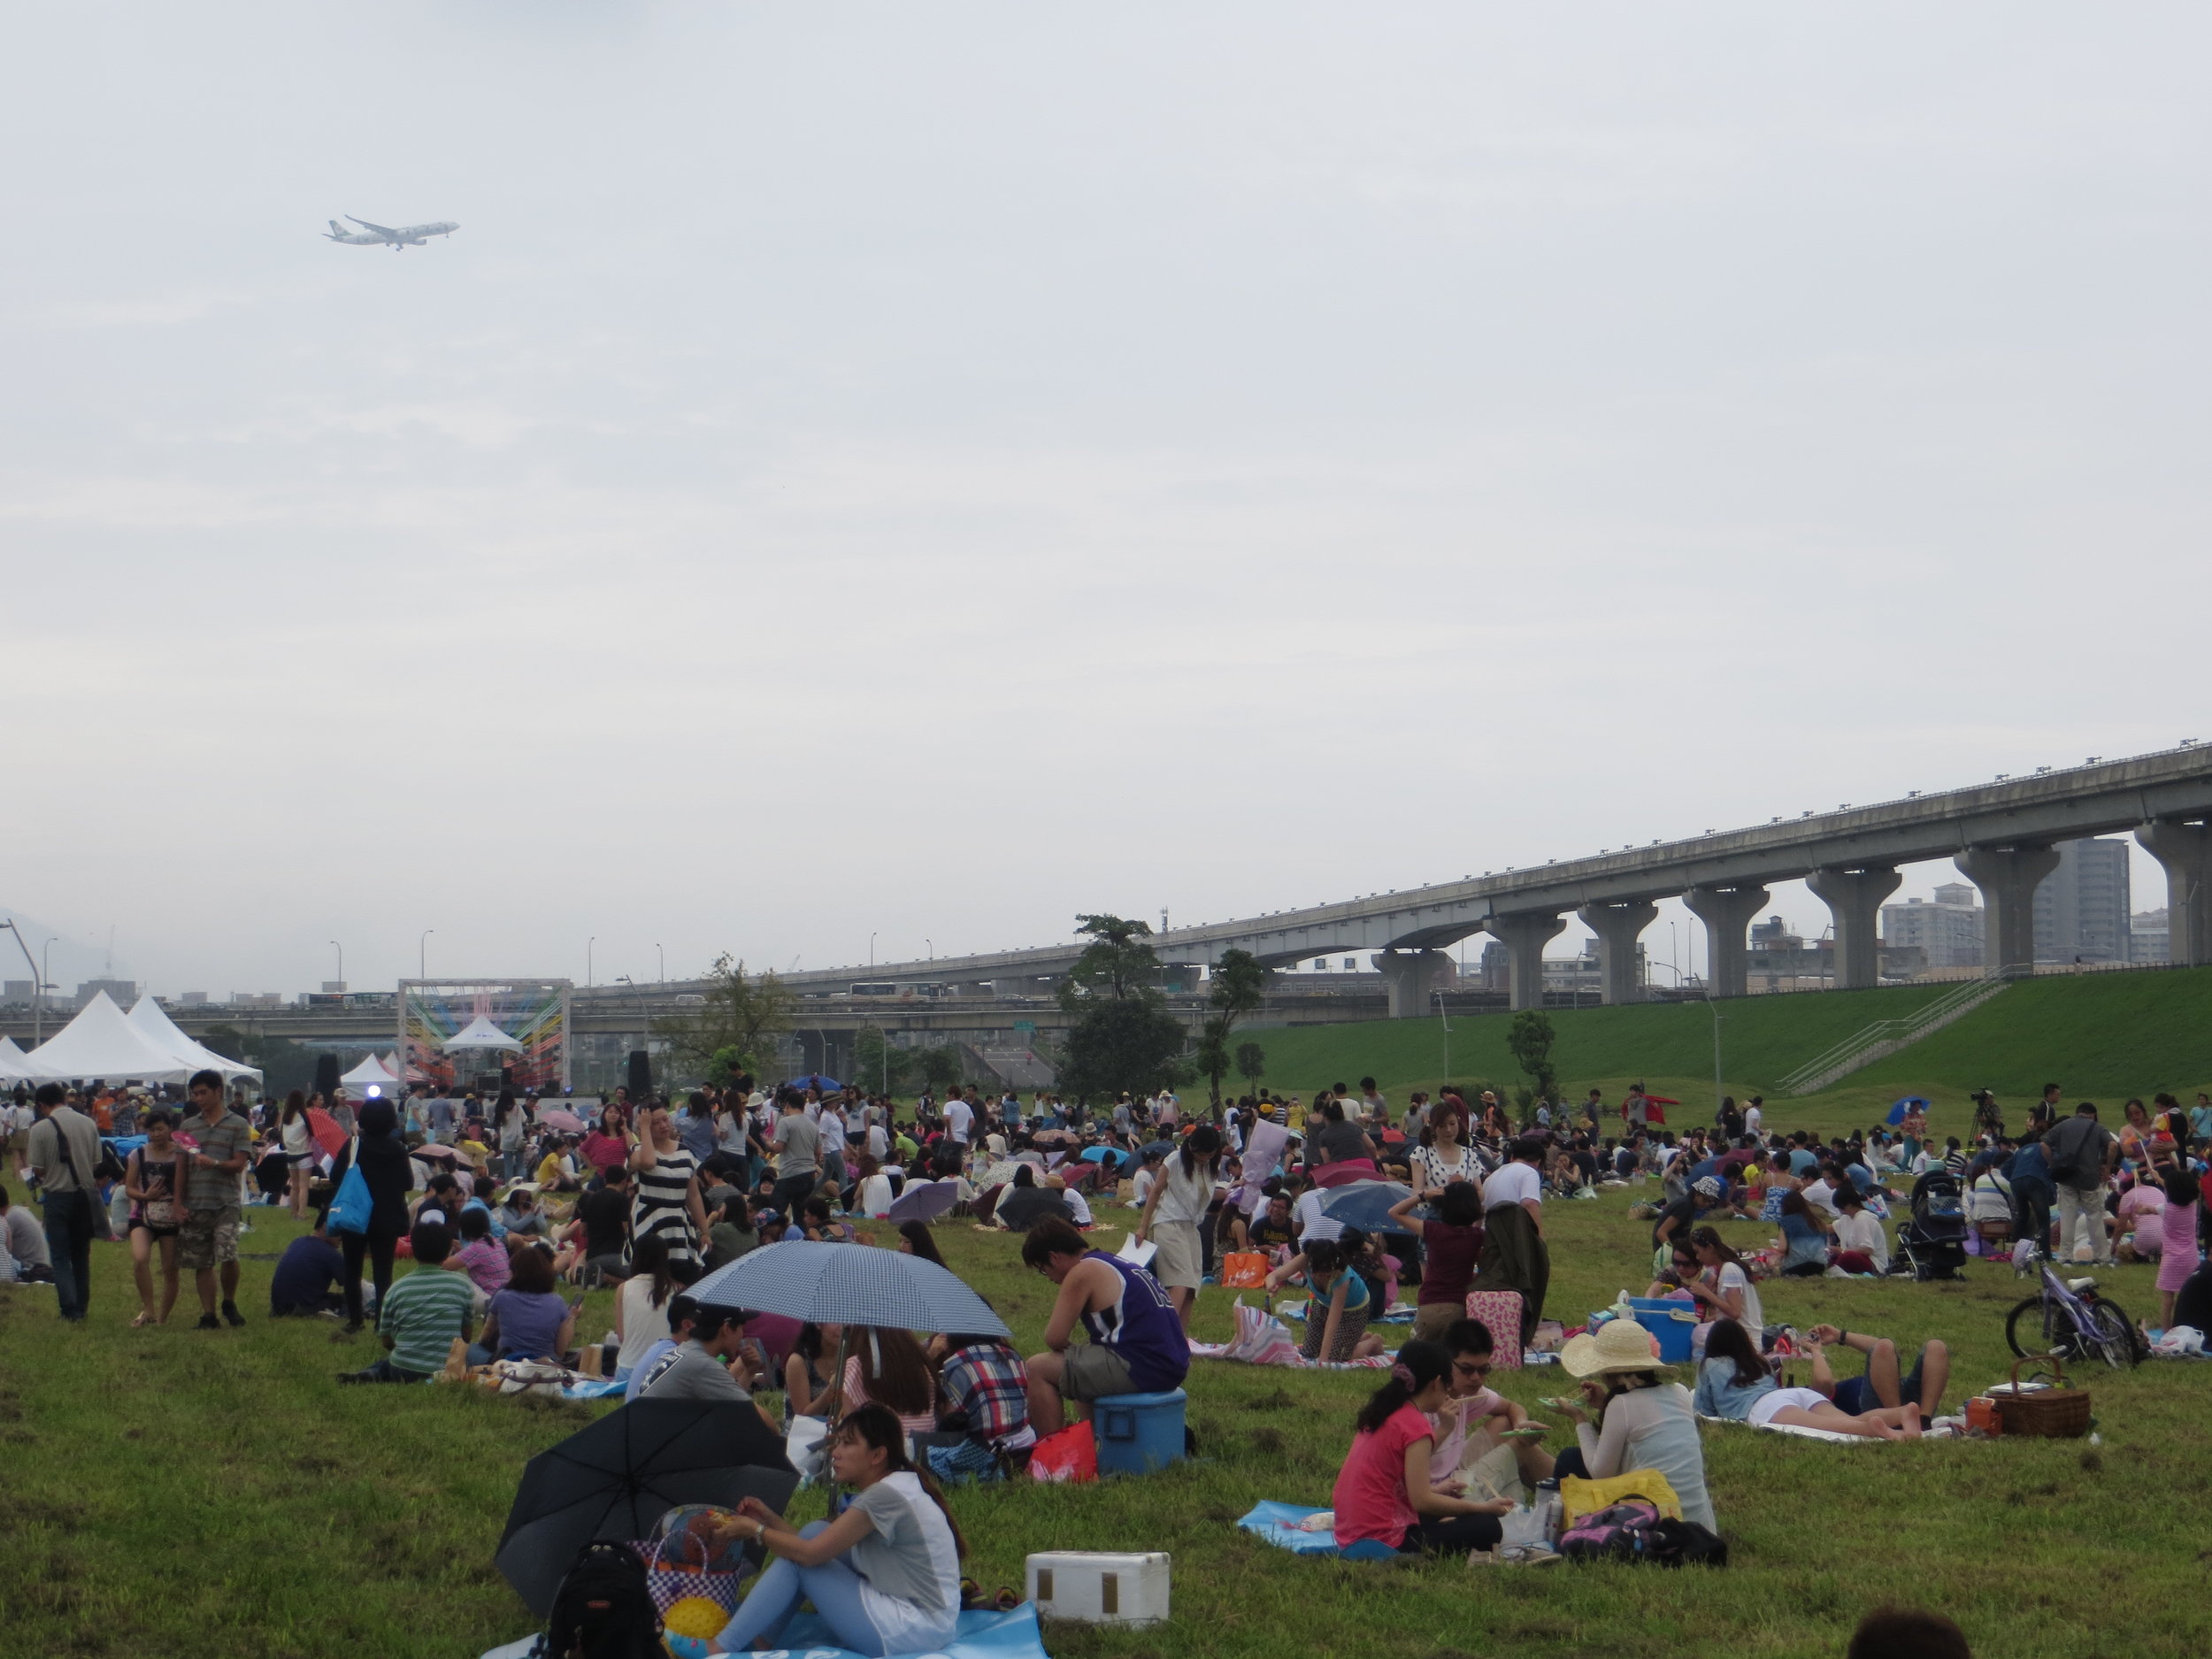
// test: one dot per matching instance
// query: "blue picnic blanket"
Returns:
(1278, 1524)
(1012, 1635)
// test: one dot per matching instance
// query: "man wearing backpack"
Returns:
(2082, 1152)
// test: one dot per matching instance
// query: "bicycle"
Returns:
(2072, 1321)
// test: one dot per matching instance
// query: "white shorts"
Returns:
(1765, 1405)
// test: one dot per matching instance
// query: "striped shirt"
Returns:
(660, 1206)
(422, 1314)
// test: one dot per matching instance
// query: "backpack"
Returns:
(604, 1609)
(1634, 1530)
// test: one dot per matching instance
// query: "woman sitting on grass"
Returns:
(528, 1319)
(1723, 1289)
(1804, 1238)
(888, 1368)
(884, 1575)
(1383, 1491)
(1644, 1417)
(1337, 1308)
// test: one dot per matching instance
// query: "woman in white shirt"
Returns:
(884, 1575)
(1729, 1295)
(641, 1306)
(873, 1197)
(1445, 1160)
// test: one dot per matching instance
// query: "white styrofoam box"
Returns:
(1098, 1587)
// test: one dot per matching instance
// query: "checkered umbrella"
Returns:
(848, 1284)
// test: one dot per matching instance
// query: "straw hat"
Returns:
(1618, 1345)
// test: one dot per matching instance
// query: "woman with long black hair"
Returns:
(382, 1157)
(1173, 1213)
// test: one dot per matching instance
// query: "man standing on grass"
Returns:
(65, 1153)
(797, 1143)
(207, 1222)
(2082, 1153)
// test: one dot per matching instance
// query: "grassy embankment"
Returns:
(204, 1495)
(2103, 1037)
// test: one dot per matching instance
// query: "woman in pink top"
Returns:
(1383, 1491)
(609, 1143)
(2179, 1230)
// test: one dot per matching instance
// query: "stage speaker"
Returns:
(326, 1075)
(641, 1075)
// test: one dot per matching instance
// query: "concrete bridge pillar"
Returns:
(1410, 976)
(2185, 851)
(2008, 877)
(1617, 926)
(1525, 936)
(1854, 897)
(1727, 913)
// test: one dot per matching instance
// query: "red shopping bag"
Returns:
(1244, 1270)
(1070, 1455)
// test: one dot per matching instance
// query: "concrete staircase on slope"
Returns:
(1886, 1037)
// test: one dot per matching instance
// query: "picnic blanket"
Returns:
(1834, 1436)
(1400, 1313)
(1283, 1525)
(988, 1635)
(1263, 1339)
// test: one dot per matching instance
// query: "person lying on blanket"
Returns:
(1880, 1384)
(1383, 1491)
(1735, 1383)
(884, 1576)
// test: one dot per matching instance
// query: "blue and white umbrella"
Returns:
(1366, 1205)
(923, 1201)
(850, 1284)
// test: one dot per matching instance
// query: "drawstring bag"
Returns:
(349, 1209)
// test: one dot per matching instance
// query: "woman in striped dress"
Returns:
(667, 1204)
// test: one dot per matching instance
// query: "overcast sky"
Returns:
(918, 472)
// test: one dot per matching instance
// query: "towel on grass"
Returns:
(986, 1635)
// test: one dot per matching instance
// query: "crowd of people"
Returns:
(508, 1208)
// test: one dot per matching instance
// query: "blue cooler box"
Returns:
(1674, 1325)
(1140, 1434)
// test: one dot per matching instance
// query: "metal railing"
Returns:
(1886, 1037)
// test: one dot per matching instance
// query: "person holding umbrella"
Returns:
(884, 1575)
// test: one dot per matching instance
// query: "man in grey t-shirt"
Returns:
(797, 1143)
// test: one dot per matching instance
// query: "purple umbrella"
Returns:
(923, 1201)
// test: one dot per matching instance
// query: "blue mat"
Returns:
(981, 1636)
(1277, 1524)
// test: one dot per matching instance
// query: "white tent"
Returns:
(15, 1065)
(152, 1022)
(102, 1042)
(371, 1073)
(481, 1033)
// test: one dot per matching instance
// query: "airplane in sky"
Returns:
(383, 236)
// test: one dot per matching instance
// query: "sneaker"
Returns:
(231, 1316)
(208, 1322)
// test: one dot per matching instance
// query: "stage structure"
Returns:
(534, 1012)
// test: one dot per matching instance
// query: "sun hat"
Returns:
(1618, 1345)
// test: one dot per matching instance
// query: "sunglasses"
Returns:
(1471, 1368)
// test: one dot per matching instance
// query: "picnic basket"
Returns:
(2060, 1412)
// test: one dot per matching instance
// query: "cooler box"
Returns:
(1099, 1588)
(1138, 1434)
(1672, 1323)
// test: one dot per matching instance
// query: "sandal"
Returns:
(141, 1322)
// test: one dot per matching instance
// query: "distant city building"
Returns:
(18, 990)
(123, 991)
(257, 999)
(1946, 930)
(2082, 908)
(193, 999)
(2149, 938)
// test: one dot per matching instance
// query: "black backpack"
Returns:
(603, 1609)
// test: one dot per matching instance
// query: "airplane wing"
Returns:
(382, 230)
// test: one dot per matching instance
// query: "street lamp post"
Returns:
(589, 943)
(46, 980)
(38, 979)
(931, 949)
(871, 950)
(664, 963)
(422, 949)
(340, 949)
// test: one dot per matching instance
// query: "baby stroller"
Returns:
(1933, 1244)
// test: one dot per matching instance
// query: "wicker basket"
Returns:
(2060, 1412)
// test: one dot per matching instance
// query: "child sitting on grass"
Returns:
(422, 1314)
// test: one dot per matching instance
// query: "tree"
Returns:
(744, 1014)
(1251, 1061)
(1122, 1036)
(1529, 1038)
(225, 1039)
(940, 1068)
(1236, 986)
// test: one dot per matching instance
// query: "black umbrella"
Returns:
(613, 1480)
(1020, 1207)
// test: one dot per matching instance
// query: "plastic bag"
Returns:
(1243, 1269)
(1069, 1455)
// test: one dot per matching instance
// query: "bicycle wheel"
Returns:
(2024, 1333)
(2109, 1334)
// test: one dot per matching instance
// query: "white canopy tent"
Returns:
(481, 1033)
(15, 1065)
(152, 1022)
(372, 1073)
(102, 1042)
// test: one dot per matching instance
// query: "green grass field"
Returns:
(2103, 1037)
(202, 1494)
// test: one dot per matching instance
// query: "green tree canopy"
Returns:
(1529, 1038)
(1122, 1036)
(743, 1013)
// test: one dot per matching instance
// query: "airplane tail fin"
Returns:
(335, 232)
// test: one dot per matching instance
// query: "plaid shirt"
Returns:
(989, 1381)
